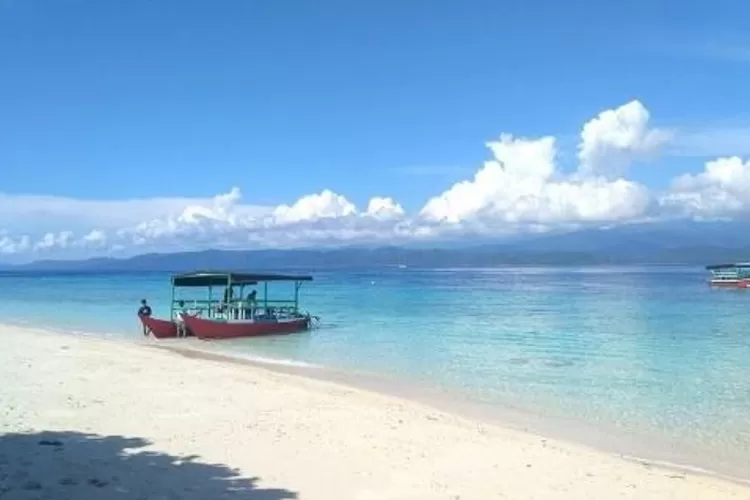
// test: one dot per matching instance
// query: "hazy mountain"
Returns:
(674, 243)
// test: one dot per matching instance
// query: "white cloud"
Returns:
(320, 218)
(95, 238)
(10, 246)
(521, 185)
(615, 138)
(520, 188)
(384, 208)
(326, 204)
(722, 189)
(62, 239)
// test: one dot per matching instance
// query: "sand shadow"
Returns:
(72, 465)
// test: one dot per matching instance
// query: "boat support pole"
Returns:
(171, 302)
(297, 284)
(229, 311)
(240, 307)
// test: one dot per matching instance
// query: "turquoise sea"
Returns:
(649, 352)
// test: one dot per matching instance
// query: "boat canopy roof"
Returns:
(219, 278)
(716, 267)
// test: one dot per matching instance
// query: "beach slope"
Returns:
(86, 418)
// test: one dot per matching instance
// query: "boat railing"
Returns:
(239, 309)
(730, 273)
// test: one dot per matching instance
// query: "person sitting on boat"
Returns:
(144, 311)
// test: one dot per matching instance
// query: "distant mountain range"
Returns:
(695, 243)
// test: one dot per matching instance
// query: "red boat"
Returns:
(730, 275)
(159, 328)
(207, 329)
(234, 314)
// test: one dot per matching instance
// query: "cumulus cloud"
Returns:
(225, 222)
(62, 239)
(10, 245)
(384, 208)
(326, 204)
(722, 189)
(95, 238)
(615, 138)
(521, 187)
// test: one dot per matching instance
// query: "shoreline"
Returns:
(352, 390)
(638, 449)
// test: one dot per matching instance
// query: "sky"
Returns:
(136, 126)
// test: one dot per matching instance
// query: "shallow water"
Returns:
(650, 351)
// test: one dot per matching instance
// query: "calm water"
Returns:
(647, 350)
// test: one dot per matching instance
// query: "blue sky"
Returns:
(114, 100)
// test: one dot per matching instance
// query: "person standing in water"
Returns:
(144, 311)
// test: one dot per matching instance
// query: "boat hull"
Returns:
(725, 283)
(207, 329)
(159, 328)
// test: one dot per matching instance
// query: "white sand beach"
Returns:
(86, 418)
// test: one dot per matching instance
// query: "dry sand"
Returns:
(94, 419)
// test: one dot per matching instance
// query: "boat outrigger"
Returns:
(730, 275)
(234, 314)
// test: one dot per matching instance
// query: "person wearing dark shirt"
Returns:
(144, 310)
